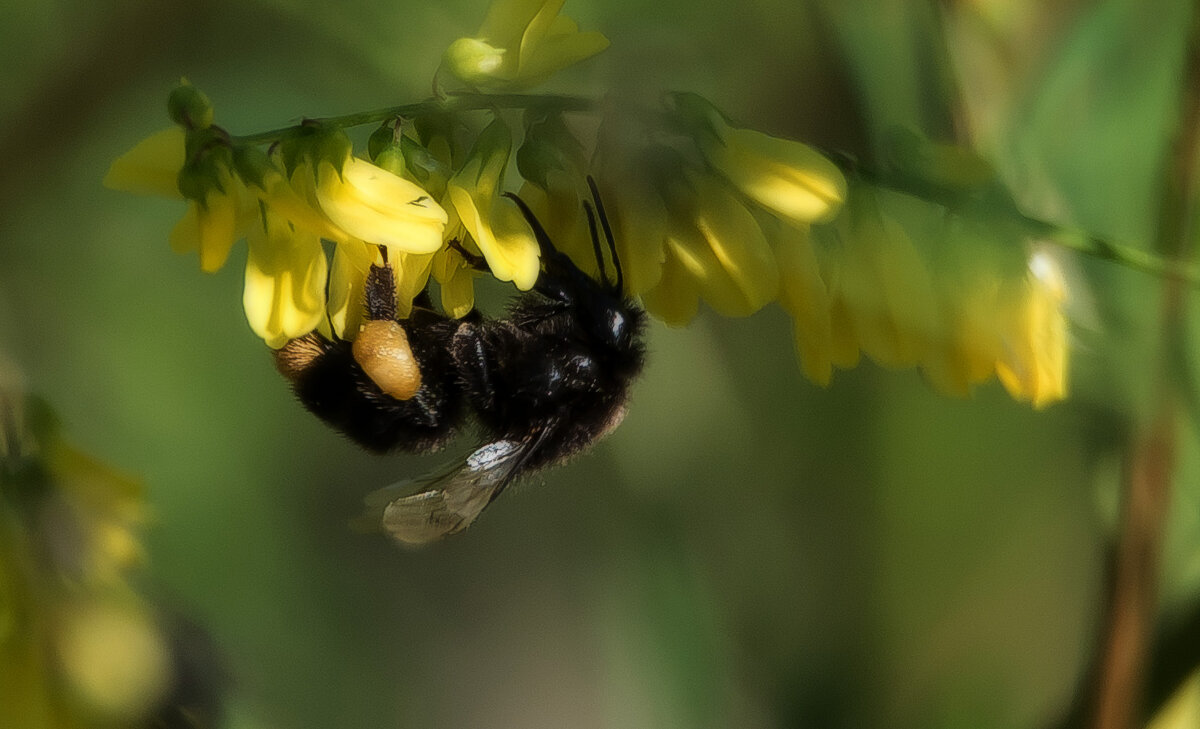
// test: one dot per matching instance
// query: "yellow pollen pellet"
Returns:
(382, 350)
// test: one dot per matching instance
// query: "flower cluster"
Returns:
(702, 210)
(78, 645)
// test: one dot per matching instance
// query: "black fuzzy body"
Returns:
(541, 385)
(538, 375)
(334, 387)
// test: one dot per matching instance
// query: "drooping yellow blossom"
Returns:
(113, 657)
(347, 278)
(971, 266)
(803, 295)
(494, 223)
(286, 274)
(1034, 331)
(881, 294)
(639, 222)
(376, 206)
(457, 280)
(211, 226)
(714, 243)
(788, 178)
(792, 180)
(521, 43)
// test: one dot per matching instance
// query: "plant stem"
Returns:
(1151, 456)
(451, 104)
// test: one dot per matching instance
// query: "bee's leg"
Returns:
(379, 293)
(477, 262)
(426, 410)
(476, 369)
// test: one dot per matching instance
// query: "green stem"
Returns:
(1105, 250)
(452, 104)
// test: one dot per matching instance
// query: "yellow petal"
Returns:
(379, 207)
(791, 179)
(724, 250)
(347, 277)
(457, 282)
(476, 61)
(151, 167)
(1034, 364)
(284, 295)
(214, 226)
(507, 20)
(676, 297)
(502, 234)
(803, 295)
(217, 224)
(886, 290)
(296, 202)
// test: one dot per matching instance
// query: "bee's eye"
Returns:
(616, 324)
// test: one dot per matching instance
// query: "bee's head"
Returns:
(606, 315)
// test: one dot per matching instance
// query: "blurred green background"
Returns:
(747, 550)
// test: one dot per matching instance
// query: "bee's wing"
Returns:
(449, 501)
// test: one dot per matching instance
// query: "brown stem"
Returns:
(1150, 461)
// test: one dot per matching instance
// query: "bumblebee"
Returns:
(541, 384)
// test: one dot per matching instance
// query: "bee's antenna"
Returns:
(591, 218)
(543, 238)
(608, 234)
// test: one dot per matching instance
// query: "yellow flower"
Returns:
(212, 225)
(792, 180)
(970, 271)
(494, 223)
(881, 292)
(457, 281)
(560, 211)
(347, 278)
(521, 43)
(1034, 329)
(639, 222)
(715, 250)
(803, 295)
(151, 167)
(284, 295)
(374, 205)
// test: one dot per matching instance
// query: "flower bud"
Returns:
(189, 107)
(472, 60)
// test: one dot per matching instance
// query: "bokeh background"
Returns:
(747, 550)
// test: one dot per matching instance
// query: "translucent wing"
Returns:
(449, 501)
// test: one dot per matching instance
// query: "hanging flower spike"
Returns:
(790, 179)
(286, 270)
(520, 44)
(494, 223)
